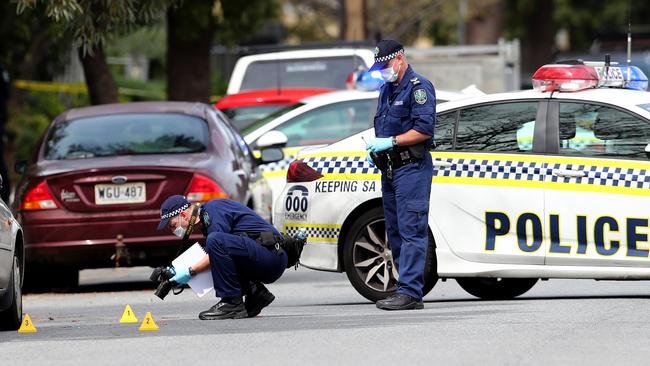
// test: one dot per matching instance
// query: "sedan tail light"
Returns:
(299, 171)
(39, 198)
(204, 189)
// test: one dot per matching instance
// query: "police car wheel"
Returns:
(368, 261)
(496, 288)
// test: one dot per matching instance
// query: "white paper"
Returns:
(201, 283)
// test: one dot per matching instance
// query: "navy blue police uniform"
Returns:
(244, 252)
(237, 260)
(409, 104)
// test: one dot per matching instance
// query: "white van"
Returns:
(317, 68)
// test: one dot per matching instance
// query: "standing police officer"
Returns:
(240, 265)
(404, 127)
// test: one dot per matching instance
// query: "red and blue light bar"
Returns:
(575, 77)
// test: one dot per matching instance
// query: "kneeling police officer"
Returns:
(240, 262)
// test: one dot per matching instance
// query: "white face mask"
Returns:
(389, 75)
(179, 231)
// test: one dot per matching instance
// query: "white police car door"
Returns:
(598, 199)
(487, 201)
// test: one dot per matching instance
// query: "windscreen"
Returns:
(330, 72)
(261, 122)
(126, 134)
(242, 117)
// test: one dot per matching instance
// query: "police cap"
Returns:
(386, 50)
(172, 206)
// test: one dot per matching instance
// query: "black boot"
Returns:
(259, 298)
(227, 308)
(399, 302)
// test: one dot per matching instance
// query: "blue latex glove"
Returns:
(370, 161)
(379, 144)
(302, 234)
(182, 276)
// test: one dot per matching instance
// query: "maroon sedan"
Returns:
(91, 195)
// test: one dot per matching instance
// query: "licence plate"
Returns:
(112, 194)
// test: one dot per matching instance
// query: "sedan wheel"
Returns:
(496, 288)
(11, 317)
(369, 262)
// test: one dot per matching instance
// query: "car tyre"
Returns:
(496, 288)
(11, 317)
(368, 262)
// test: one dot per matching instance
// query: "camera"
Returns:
(162, 275)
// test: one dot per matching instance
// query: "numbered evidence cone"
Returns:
(128, 316)
(148, 323)
(27, 326)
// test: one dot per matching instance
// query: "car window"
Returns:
(327, 72)
(126, 134)
(236, 142)
(596, 130)
(242, 117)
(444, 133)
(261, 122)
(328, 124)
(506, 127)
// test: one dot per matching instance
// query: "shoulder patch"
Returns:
(205, 219)
(420, 96)
(415, 81)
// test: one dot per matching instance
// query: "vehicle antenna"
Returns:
(629, 37)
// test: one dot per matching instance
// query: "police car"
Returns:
(316, 121)
(552, 182)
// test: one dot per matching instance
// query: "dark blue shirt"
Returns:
(228, 216)
(411, 104)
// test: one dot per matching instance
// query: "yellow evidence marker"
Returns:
(128, 316)
(148, 323)
(27, 326)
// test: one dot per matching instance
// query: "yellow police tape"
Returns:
(79, 88)
(47, 86)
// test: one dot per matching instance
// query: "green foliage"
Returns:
(27, 124)
(584, 19)
(235, 24)
(91, 22)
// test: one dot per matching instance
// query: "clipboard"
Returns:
(201, 283)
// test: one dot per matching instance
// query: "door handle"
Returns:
(568, 173)
(442, 164)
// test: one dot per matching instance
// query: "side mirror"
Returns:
(647, 150)
(270, 155)
(19, 166)
(272, 138)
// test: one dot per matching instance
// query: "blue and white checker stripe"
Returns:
(314, 232)
(278, 165)
(341, 165)
(500, 169)
(492, 169)
(604, 176)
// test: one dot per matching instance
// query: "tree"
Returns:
(354, 25)
(90, 23)
(191, 29)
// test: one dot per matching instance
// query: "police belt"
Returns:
(266, 238)
(398, 156)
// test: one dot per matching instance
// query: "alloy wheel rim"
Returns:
(373, 259)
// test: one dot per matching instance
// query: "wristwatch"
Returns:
(394, 140)
(192, 272)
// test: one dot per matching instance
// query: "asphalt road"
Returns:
(319, 319)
